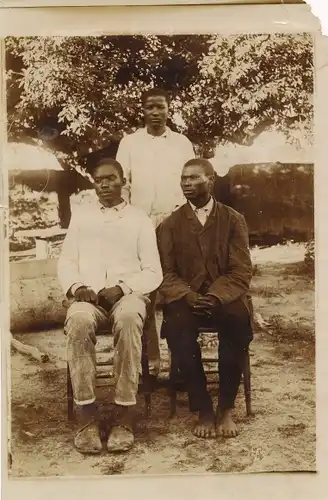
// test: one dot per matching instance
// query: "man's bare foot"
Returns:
(226, 425)
(205, 428)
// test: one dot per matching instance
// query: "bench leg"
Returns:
(70, 402)
(247, 385)
(146, 381)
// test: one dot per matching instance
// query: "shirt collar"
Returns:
(117, 208)
(165, 135)
(207, 208)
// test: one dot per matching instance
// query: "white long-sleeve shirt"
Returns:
(108, 246)
(152, 166)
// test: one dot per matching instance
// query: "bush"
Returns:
(309, 258)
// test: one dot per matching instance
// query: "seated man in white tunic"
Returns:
(108, 267)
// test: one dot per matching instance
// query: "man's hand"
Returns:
(208, 303)
(86, 294)
(192, 299)
(202, 304)
(109, 296)
(195, 302)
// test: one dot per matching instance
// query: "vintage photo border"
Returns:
(96, 3)
(201, 18)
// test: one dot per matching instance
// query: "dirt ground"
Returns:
(280, 437)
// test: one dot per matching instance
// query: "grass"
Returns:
(300, 269)
(266, 292)
(293, 331)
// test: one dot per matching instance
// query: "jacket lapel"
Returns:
(211, 219)
(194, 224)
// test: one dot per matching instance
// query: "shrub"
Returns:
(309, 257)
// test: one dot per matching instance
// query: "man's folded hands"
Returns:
(202, 304)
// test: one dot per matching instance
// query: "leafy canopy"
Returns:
(79, 93)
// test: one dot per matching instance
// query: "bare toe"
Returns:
(227, 427)
(205, 428)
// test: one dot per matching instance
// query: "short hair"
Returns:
(106, 161)
(155, 92)
(202, 162)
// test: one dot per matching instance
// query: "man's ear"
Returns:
(211, 179)
(123, 181)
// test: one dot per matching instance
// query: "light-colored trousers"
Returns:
(125, 321)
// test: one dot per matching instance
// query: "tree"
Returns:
(78, 94)
(249, 83)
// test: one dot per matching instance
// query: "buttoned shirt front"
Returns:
(105, 247)
(152, 166)
(203, 212)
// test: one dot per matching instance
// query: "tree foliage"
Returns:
(249, 83)
(80, 93)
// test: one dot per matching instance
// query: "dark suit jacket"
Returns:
(218, 252)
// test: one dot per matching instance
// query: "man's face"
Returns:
(108, 183)
(156, 111)
(195, 183)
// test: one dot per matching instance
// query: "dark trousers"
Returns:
(180, 328)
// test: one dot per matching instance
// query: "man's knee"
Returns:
(236, 312)
(80, 320)
(177, 318)
(127, 321)
(129, 315)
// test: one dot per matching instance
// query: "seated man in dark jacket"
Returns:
(207, 271)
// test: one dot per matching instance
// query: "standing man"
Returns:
(207, 271)
(152, 158)
(108, 266)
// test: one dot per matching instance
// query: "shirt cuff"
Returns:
(125, 289)
(74, 287)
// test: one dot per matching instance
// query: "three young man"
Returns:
(200, 264)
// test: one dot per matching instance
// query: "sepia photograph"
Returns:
(162, 254)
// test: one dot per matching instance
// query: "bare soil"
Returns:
(279, 437)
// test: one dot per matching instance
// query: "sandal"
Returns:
(121, 438)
